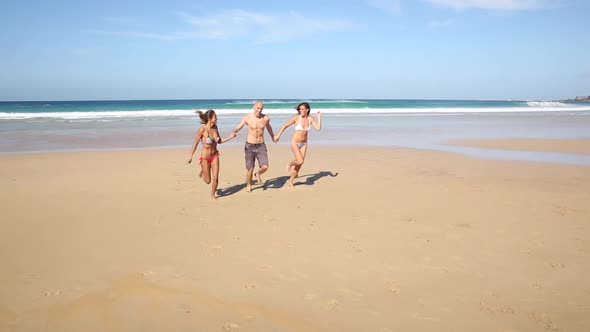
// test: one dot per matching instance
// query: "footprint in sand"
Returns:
(332, 304)
(535, 285)
(229, 326)
(556, 266)
(270, 219)
(212, 250)
(53, 292)
(393, 287)
(264, 268)
(283, 244)
(311, 227)
(483, 306)
(542, 318)
(563, 210)
(249, 286)
(407, 219)
(353, 244)
(309, 297)
(216, 248)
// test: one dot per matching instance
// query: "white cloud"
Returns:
(389, 6)
(261, 27)
(491, 4)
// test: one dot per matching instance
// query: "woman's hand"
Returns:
(190, 158)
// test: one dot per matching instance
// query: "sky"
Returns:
(369, 49)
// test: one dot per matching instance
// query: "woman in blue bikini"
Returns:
(208, 134)
(303, 123)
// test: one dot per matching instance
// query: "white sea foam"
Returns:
(267, 102)
(98, 115)
(251, 102)
(337, 101)
(545, 104)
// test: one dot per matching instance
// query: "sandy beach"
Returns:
(370, 239)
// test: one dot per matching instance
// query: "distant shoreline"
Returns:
(577, 99)
(251, 100)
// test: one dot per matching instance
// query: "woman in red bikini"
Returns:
(303, 123)
(208, 134)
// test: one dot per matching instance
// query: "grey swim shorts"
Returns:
(255, 151)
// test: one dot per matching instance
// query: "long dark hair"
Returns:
(206, 116)
(306, 106)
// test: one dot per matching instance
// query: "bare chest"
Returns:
(257, 123)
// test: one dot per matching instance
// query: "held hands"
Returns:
(230, 137)
(276, 139)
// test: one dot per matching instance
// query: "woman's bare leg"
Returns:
(214, 177)
(205, 171)
(297, 163)
(298, 157)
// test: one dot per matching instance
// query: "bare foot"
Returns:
(249, 189)
(258, 178)
(291, 183)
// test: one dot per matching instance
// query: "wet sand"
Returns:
(580, 146)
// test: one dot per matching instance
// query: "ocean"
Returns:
(53, 126)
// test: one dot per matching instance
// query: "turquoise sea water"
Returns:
(423, 124)
(179, 108)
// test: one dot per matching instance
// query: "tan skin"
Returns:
(299, 136)
(209, 171)
(256, 123)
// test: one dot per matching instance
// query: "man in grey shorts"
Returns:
(255, 148)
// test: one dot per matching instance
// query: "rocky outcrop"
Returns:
(579, 98)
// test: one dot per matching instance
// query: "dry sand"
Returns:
(580, 146)
(370, 240)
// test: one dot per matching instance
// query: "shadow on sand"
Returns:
(278, 182)
(230, 190)
(310, 179)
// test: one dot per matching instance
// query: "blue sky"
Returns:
(406, 49)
